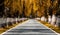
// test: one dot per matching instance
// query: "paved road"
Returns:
(30, 27)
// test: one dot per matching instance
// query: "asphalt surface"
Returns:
(30, 27)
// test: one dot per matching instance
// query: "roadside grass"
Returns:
(56, 29)
(7, 28)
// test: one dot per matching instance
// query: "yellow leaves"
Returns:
(48, 3)
(6, 3)
(55, 3)
(30, 1)
(37, 6)
(14, 5)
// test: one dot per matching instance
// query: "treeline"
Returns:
(27, 8)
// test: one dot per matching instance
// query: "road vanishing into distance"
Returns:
(30, 27)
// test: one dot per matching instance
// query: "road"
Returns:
(30, 27)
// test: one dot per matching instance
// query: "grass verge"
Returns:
(56, 29)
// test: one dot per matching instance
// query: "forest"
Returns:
(27, 8)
